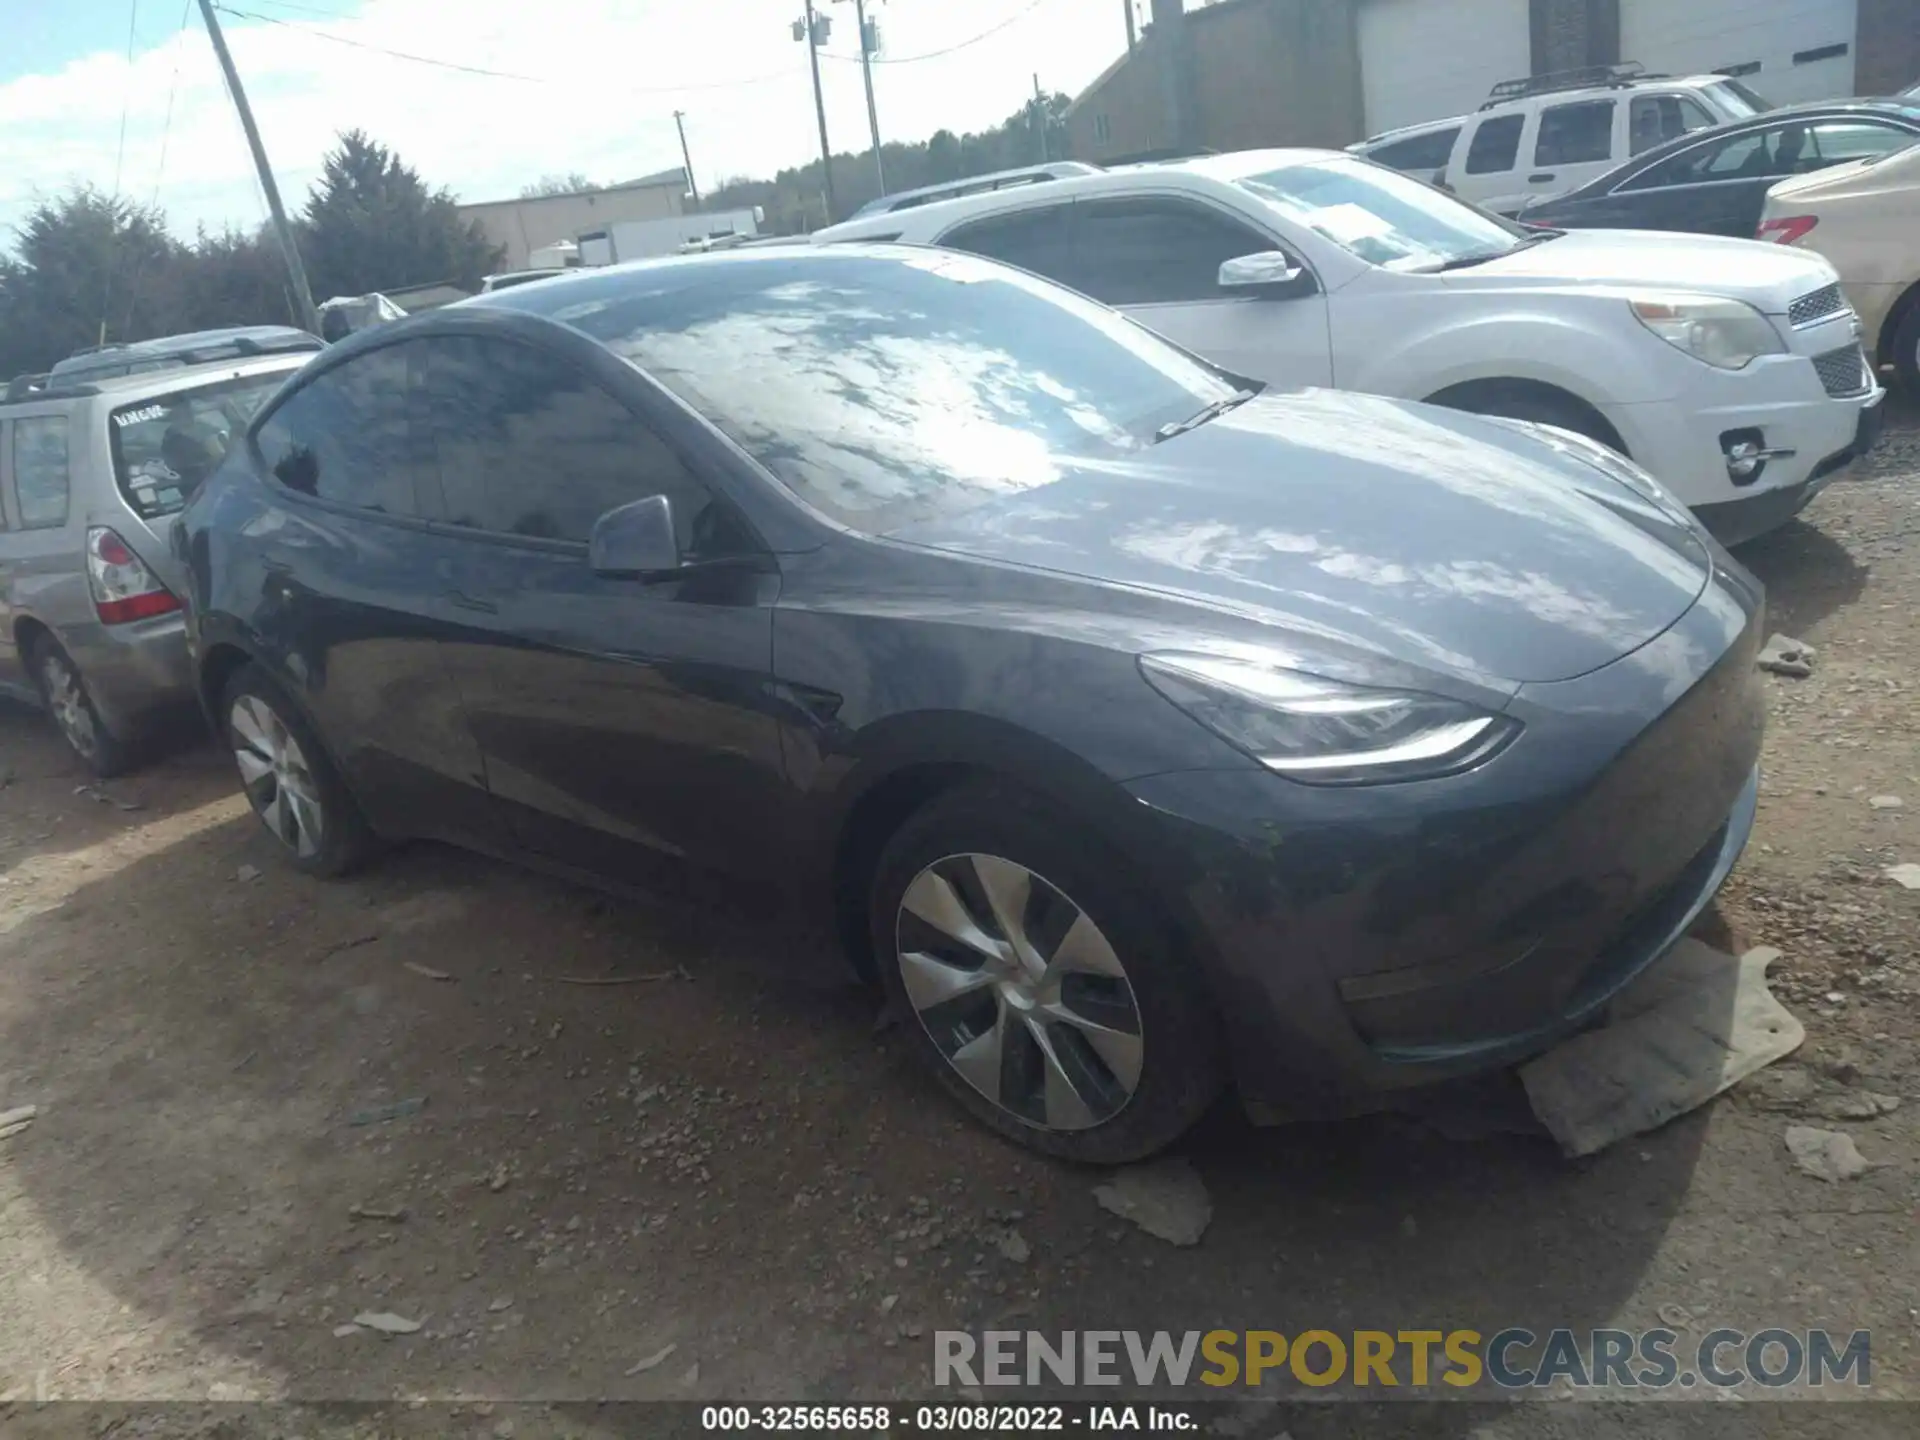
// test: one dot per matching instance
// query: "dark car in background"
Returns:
(1715, 181)
(1139, 731)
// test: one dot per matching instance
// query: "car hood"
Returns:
(1768, 276)
(1439, 540)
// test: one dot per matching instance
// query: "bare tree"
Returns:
(555, 185)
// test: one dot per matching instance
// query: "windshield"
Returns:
(885, 391)
(1386, 218)
(166, 445)
(1737, 101)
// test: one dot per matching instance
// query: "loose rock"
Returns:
(1907, 875)
(1165, 1198)
(1828, 1155)
(1783, 655)
(13, 1121)
(1855, 1105)
(247, 873)
(386, 1322)
(1886, 802)
(1013, 1246)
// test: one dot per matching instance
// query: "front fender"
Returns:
(1599, 367)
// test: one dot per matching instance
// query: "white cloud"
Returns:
(605, 107)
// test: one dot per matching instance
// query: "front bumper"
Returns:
(1778, 404)
(1363, 941)
(1733, 522)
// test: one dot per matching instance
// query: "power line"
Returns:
(173, 85)
(987, 34)
(482, 70)
(379, 49)
(119, 159)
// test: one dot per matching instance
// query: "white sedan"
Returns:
(1730, 369)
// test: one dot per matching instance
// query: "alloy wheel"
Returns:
(67, 700)
(274, 771)
(1020, 991)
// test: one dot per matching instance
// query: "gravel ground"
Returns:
(724, 1156)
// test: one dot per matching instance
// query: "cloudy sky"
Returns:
(602, 79)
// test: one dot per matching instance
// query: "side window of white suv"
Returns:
(1576, 134)
(1496, 145)
(1149, 250)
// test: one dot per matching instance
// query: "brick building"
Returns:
(1240, 73)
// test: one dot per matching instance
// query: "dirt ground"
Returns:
(728, 1158)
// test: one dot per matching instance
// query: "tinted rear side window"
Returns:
(1142, 252)
(40, 482)
(164, 448)
(347, 436)
(530, 447)
(1496, 145)
(1034, 240)
(1575, 134)
(1419, 153)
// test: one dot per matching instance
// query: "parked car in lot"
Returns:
(173, 352)
(1544, 135)
(1736, 379)
(1714, 182)
(1140, 729)
(90, 471)
(1864, 219)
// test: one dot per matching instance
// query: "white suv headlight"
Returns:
(1727, 334)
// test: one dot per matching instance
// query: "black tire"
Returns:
(317, 824)
(1180, 1069)
(1906, 351)
(71, 708)
(1520, 404)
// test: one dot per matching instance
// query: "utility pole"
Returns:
(1132, 35)
(1040, 116)
(809, 28)
(303, 296)
(686, 159)
(870, 42)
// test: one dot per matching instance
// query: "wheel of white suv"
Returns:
(289, 781)
(73, 711)
(1906, 351)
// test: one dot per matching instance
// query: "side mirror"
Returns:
(1269, 272)
(635, 541)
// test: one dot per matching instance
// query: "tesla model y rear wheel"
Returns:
(288, 780)
(1042, 992)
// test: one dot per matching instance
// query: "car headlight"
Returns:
(1728, 334)
(1327, 732)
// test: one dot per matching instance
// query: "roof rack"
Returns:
(24, 388)
(975, 185)
(197, 348)
(1590, 77)
(1167, 155)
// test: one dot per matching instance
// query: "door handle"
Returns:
(1541, 178)
(460, 600)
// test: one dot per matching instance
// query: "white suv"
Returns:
(1730, 369)
(1543, 136)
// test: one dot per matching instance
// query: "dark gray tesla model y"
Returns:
(1140, 732)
